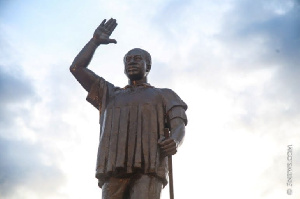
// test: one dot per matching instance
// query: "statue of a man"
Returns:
(132, 152)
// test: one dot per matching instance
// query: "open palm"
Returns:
(104, 30)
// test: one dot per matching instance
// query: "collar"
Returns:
(145, 85)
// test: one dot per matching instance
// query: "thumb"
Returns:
(161, 139)
(112, 41)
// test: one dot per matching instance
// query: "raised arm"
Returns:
(79, 68)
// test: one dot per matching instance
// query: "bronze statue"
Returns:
(132, 153)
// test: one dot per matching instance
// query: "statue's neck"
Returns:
(137, 82)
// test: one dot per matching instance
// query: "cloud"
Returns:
(15, 90)
(23, 169)
(272, 26)
(262, 39)
(28, 162)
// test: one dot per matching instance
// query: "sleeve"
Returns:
(174, 106)
(100, 92)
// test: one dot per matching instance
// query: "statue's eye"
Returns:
(128, 59)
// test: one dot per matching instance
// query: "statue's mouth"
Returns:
(132, 68)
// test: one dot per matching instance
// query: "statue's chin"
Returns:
(134, 77)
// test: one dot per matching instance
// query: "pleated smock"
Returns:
(132, 120)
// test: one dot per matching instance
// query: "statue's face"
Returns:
(135, 66)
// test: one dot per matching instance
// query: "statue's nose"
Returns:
(131, 62)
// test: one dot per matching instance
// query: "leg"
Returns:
(115, 188)
(145, 187)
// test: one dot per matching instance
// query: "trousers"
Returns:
(137, 186)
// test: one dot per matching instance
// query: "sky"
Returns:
(236, 63)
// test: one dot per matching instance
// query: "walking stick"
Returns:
(170, 167)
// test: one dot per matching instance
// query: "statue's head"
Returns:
(137, 64)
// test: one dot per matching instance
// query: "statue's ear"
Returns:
(148, 68)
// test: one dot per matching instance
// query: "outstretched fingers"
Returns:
(108, 23)
(101, 25)
(103, 22)
(112, 25)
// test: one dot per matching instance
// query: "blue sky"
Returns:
(235, 63)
